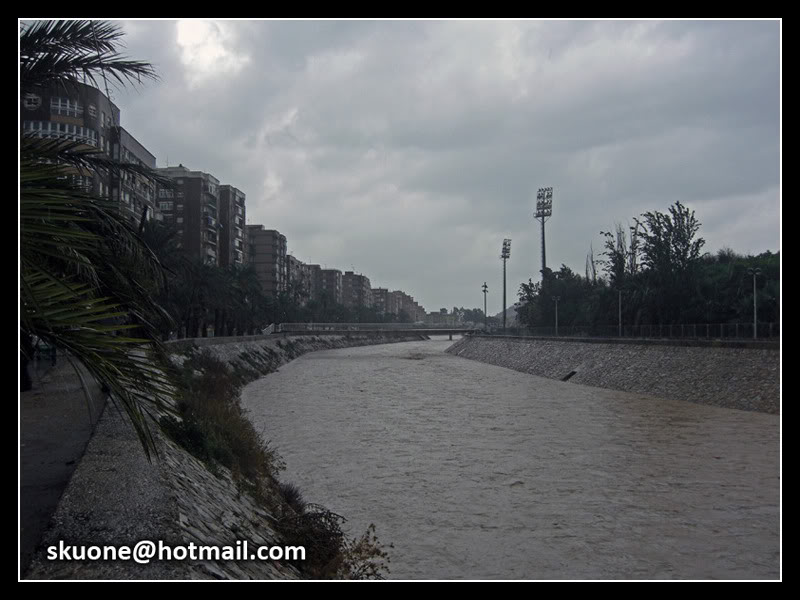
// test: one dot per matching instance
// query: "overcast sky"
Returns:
(407, 150)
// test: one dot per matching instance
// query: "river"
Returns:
(474, 471)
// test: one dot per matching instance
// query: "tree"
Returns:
(671, 254)
(82, 266)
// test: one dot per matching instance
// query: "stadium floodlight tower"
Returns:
(485, 289)
(544, 209)
(505, 255)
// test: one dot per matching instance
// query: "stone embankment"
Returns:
(116, 497)
(738, 377)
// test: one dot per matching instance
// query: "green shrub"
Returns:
(213, 425)
(214, 428)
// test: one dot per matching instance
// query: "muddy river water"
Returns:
(474, 471)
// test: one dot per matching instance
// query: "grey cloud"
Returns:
(416, 147)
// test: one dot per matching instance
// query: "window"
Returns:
(165, 205)
(92, 110)
(66, 107)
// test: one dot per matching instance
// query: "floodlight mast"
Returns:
(544, 209)
(485, 289)
(505, 255)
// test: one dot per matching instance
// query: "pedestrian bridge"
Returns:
(344, 328)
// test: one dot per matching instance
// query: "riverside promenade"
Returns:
(56, 421)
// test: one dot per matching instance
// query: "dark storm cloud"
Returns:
(409, 150)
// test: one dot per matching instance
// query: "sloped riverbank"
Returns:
(116, 497)
(732, 377)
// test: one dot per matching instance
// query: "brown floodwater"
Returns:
(474, 471)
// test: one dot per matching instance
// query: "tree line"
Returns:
(657, 271)
(202, 299)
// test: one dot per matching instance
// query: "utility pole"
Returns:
(485, 289)
(556, 301)
(755, 273)
(544, 209)
(620, 313)
(505, 255)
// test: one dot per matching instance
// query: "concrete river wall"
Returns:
(734, 376)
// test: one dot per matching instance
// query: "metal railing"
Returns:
(695, 331)
(290, 327)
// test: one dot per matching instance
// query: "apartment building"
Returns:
(298, 279)
(267, 253)
(192, 207)
(82, 113)
(380, 298)
(356, 290)
(136, 193)
(400, 301)
(232, 232)
(332, 284)
(313, 275)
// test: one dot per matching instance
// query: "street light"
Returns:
(754, 273)
(505, 255)
(555, 298)
(485, 289)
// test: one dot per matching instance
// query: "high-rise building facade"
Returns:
(192, 207)
(332, 284)
(136, 193)
(298, 280)
(380, 298)
(398, 301)
(356, 290)
(232, 232)
(313, 275)
(82, 113)
(267, 253)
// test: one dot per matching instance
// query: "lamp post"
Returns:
(505, 255)
(485, 289)
(620, 312)
(555, 298)
(755, 273)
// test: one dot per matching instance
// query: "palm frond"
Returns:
(67, 52)
(95, 331)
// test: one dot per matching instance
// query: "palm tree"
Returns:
(82, 266)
